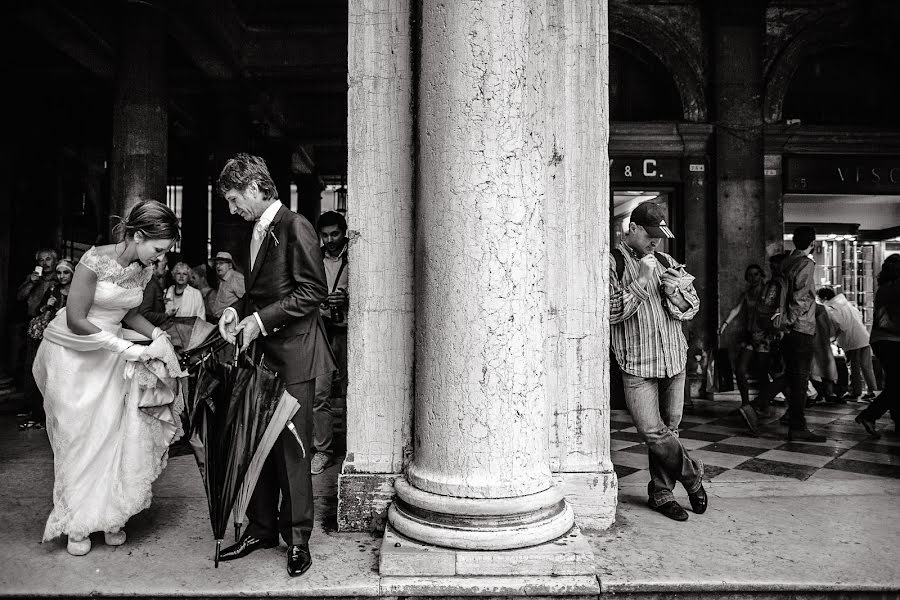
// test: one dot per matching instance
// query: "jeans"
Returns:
(797, 350)
(655, 406)
(888, 354)
(861, 366)
(323, 419)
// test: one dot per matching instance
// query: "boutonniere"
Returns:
(272, 235)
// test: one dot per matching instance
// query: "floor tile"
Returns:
(702, 435)
(781, 469)
(753, 442)
(618, 425)
(816, 449)
(628, 437)
(741, 476)
(629, 459)
(876, 447)
(819, 419)
(734, 449)
(721, 429)
(711, 471)
(620, 444)
(640, 477)
(797, 458)
(636, 449)
(886, 439)
(868, 468)
(690, 444)
(624, 471)
(837, 475)
(873, 457)
(630, 429)
(718, 459)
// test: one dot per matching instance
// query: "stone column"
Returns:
(140, 109)
(738, 53)
(380, 214)
(577, 187)
(480, 477)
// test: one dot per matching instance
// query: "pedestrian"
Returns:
(797, 318)
(153, 305)
(752, 341)
(281, 311)
(885, 340)
(332, 228)
(200, 281)
(650, 297)
(853, 338)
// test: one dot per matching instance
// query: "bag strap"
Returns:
(340, 272)
(619, 257)
(620, 262)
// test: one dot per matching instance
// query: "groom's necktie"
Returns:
(259, 232)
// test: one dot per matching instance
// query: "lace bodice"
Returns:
(119, 289)
(134, 276)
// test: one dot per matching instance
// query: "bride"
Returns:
(108, 448)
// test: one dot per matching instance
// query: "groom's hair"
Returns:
(243, 169)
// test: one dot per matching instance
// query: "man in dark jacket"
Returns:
(153, 306)
(284, 289)
(799, 323)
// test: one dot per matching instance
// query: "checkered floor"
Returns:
(713, 431)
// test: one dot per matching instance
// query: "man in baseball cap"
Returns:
(231, 283)
(652, 217)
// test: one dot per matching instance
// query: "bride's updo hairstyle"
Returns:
(153, 219)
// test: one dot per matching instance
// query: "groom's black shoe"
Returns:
(244, 547)
(298, 560)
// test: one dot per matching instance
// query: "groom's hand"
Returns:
(249, 330)
(228, 325)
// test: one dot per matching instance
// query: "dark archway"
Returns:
(630, 28)
(640, 87)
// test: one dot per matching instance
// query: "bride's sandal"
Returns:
(114, 538)
(78, 547)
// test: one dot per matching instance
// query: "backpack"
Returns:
(772, 307)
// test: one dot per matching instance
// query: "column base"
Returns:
(569, 555)
(593, 497)
(363, 500)
(479, 523)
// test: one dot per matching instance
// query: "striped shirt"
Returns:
(645, 325)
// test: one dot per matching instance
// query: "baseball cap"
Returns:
(652, 217)
(224, 256)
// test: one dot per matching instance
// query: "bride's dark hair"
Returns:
(153, 219)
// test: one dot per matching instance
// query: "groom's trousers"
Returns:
(287, 472)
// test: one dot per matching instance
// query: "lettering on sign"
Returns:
(659, 170)
(697, 168)
(842, 174)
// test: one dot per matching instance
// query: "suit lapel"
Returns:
(264, 247)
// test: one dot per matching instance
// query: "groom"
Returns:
(285, 287)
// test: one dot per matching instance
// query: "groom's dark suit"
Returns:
(286, 287)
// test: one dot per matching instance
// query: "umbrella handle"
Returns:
(218, 550)
(237, 532)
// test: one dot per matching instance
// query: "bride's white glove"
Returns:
(117, 345)
(158, 333)
(157, 349)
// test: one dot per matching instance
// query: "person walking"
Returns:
(885, 340)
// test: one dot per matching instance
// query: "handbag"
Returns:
(885, 322)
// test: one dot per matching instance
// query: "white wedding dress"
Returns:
(107, 449)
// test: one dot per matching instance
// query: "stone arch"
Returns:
(828, 31)
(629, 26)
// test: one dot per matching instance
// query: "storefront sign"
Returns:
(648, 170)
(842, 175)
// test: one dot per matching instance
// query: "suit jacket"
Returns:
(286, 287)
(153, 306)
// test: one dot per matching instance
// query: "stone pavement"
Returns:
(783, 520)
